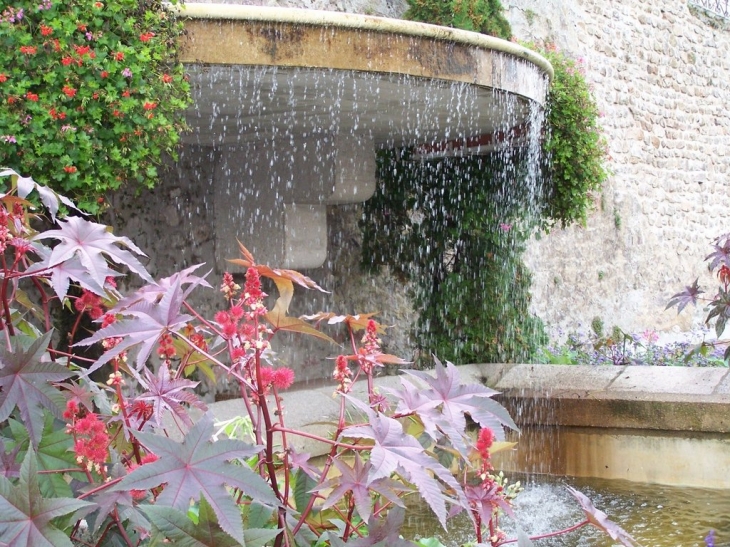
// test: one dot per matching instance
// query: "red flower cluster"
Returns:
(146, 36)
(31, 97)
(69, 91)
(57, 116)
(229, 288)
(91, 441)
(28, 50)
(280, 378)
(70, 169)
(483, 444)
(3, 78)
(46, 30)
(166, 350)
(88, 301)
(166, 78)
(342, 374)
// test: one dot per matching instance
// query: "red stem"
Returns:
(552, 534)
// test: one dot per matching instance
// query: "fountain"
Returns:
(295, 103)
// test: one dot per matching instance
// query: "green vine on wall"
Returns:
(456, 228)
(91, 92)
(574, 148)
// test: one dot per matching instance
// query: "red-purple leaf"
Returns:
(442, 407)
(168, 394)
(92, 242)
(199, 467)
(395, 451)
(358, 481)
(599, 519)
(25, 516)
(146, 323)
(687, 296)
(24, 380)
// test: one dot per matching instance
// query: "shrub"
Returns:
(91, 93)
(483, 16)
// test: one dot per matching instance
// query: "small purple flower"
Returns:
(710, 539)
(505, 227)
(89, 36)
(8, 138)
(127, 72)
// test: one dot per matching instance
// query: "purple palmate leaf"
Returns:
(145, 324)
(199, 467)
(396, 451)
(49, 198)
(358, 481)
(169, 394)
(442, 407)
(687, 296)
(599, 519)
(26, 517)
(24, 382)
(721, 254)
(69, 270)
(93, 244)
(153, 292)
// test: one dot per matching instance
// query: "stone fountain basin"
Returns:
(646, 424)
(293, 105)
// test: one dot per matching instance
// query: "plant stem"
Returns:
(552, 534)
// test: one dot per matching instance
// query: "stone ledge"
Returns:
(549, 395)
(632, 397)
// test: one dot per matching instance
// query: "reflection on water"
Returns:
(655, 515)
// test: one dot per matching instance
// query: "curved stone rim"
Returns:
(362, 22)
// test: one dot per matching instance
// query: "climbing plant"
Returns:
(456, 228)
(91, 93)
(574, 149)
(483, 16)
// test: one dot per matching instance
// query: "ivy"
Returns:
(91, 93)
(456, 229)
(574, 148)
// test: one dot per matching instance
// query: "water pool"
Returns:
(655, 515)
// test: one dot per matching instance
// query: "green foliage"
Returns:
(91, 93)
(452, 228)
(472, 288)
(483, 16)
(574, 149)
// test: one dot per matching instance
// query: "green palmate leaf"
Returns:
(303, 486)
(25, 516)
(24, 380)
(198, 468)
(179, 529)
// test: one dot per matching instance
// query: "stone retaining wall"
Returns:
(661, 76)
